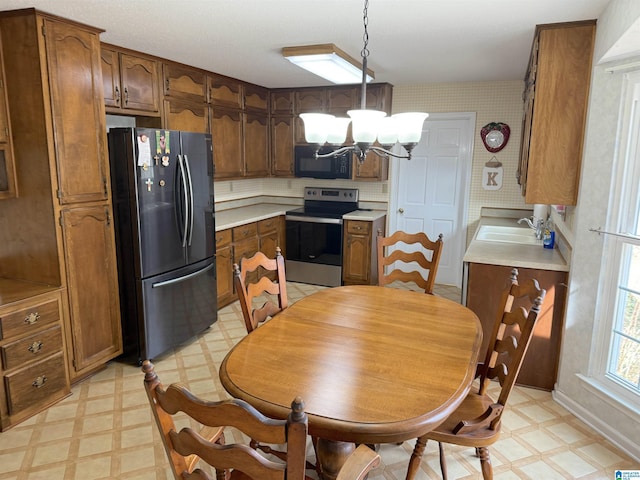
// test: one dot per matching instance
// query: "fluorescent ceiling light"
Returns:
(327, 61)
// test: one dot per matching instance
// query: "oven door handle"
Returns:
(295, 218)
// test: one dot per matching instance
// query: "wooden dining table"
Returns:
(372, 365)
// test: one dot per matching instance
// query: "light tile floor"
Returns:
(104, 430)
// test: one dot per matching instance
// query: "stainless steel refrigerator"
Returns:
(162, 185)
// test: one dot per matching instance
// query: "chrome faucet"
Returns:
(538, 226)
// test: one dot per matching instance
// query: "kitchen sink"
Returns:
(496, 233)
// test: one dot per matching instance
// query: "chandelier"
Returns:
(367, 126)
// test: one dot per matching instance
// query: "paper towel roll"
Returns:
(540, 211)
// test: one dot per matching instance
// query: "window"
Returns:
(620, 358)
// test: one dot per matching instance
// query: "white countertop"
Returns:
(512, 254)
(235, 217)
(366, 215)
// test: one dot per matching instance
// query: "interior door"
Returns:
(430, 192)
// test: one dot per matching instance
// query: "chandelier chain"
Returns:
(365, 36)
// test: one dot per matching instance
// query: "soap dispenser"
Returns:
(549, 235)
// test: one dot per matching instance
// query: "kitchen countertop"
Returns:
(235, 217)
(512, 254)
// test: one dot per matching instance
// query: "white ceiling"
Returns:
(410, 41)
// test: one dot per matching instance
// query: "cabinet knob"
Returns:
(35, 347)
(32, 318)
(39, 381)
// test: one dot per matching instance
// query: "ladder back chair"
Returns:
(476, 422)
(236, 461)
(247, 291)
(418, 256)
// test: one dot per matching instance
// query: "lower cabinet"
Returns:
(33, 367)
(244, 241)
(485, 285)
(95, 335)
(360, 261)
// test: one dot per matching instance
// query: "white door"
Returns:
(430, 192)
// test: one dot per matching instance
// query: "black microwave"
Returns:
(307, 165)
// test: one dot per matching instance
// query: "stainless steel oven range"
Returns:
(314, 235)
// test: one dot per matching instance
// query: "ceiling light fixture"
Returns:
(327, 61)
(367, 125)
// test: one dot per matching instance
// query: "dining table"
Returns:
(372, 365)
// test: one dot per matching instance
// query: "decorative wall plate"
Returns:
(495, 136)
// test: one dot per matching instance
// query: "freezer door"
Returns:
(161, 201)
(178, 306)
(198, 163)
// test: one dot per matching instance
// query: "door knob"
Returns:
(401, 210)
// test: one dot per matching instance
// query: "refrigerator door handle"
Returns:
(191, 207)
(185, 232)
(182, 279)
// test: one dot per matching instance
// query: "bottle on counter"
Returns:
(548, 235)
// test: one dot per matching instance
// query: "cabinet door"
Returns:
(256, 144)
(374, 168)
(357, 258)
(184, 82)
(224, 267)
(225, 91)
(226, 132)
(110, 77)
(282, 146)
(75, 80)
(485, 286)
(282, 102)
(186, 116)
(256, 98)
(7, 167)
(139, 83)
(92, 281)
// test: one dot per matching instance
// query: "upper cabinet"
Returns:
(8, 188)
(180, 81)
(556, 96)
(130, 82)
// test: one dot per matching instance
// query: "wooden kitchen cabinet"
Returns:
(486, 284)
(33, 366)
(556, 97)
(92, 282)
(185, 116)
(131, 82)
(255, 98)
(270, 233)
(61, 232)
(8, 182)
(360, 261)
(256, 144)
(282, 101)
(224, 267)
(224, 91)
(183, 82)
(227, 136)
(282, 143)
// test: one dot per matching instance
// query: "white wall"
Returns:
(609, 416)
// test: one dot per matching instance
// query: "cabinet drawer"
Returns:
(28, 319)
(223, 238)
(359, 227)
(245, 231)
(31, 348)
(267, 226)
(33, 385)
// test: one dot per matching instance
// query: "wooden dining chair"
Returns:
(248, 291)
(420, 258)
(476, 422)
(236, 461)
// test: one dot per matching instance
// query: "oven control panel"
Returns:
(331, 194)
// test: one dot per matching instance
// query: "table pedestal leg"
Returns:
(331, 457)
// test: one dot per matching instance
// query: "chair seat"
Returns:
(473, 406)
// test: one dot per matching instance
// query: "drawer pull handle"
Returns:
(39, 382)
(35, 347)
(32, 318)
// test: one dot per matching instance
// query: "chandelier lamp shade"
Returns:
(371, 130)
